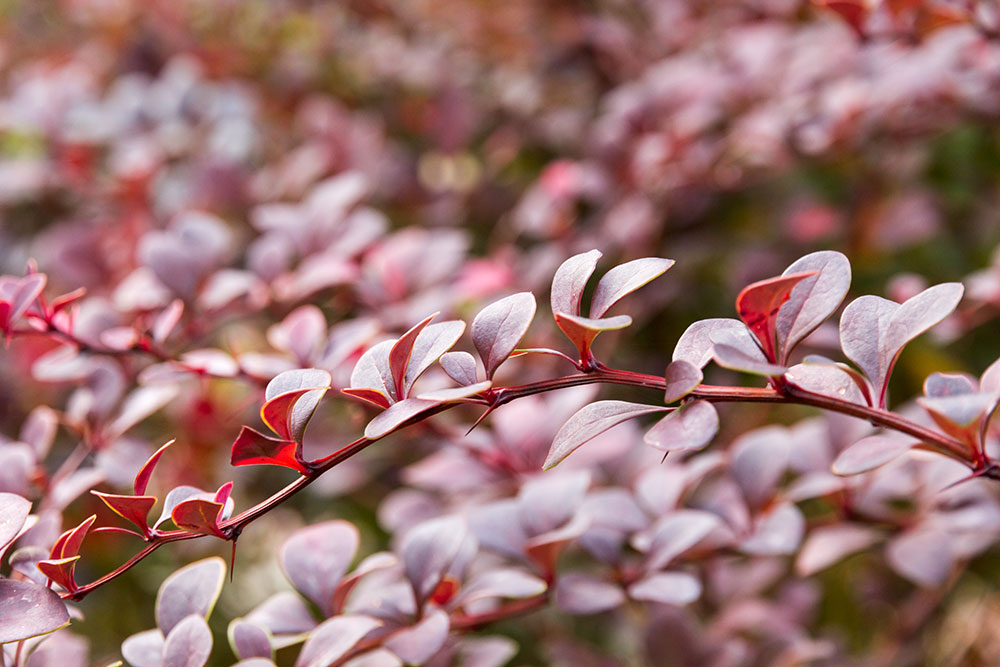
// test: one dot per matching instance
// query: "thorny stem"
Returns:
(787, 394)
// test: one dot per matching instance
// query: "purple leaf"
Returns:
(580, 594)
(167, 320)
(827, 545)
(144, 649)
(734, 359)
(39, 430)
(570, 280)
(282, 613)
(176, 496)
(460, 367)
(501, 583)
(697, 342)
(674, 588)
(625, 279)
(372, 371)
(330, 640)
(431, 343)
(591, 421)
(27, 290)
(417, 644)
(140, 404)
(500, 326)
(813, 300)
(455, 394)
(400, 353)
(758, 305)
(938, 385)
(691, 426)
(14, 512)
(549, 501)
(675, 533)
(292, 420)
(922, 556)
(28, 610)
(758, 462)
(25, 560)
(959, 416)
(428, 550)
(497, 526)
(249, 640)
(188, 644)
(830, 379)
(193, 589)
(873, 330)
(301, 332)
(870, 453)
(315, 559)
(682, 377)
(397, 415)
(776, 533)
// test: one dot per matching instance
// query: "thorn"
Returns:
(664, 459)
(481, 418)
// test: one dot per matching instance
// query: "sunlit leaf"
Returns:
(254, 448)
(758, 305)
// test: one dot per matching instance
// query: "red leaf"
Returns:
(758, 305)
(373, 396)
(142, 477)
(583, 330)
(254, 448)
(134, 508)
(68, 544)
(275, 413)
(291, 399)
(198, 516)
(399, 355)
(60, 570)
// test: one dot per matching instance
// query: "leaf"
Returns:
(625, 279)
(591, 421)
(198, 515)
(696, 343)
(547, 502)
(455, 394)
(39, 430)
(175, 496)
(249, 640)
(682, 377)
(14, 512)
(503, 582)
(142, 477)
(415, 645)
(29, 610)
(959, 416)
(397, 415)
(188, 644)
(69, 543)
(144, 649)
(580, 594)
(937, 385)
(167, 320)
(813, 300)
(673, 588)
(460, 366)
(28, 289)
(140, 404)
(570, 280)
(778, 532)
(133, 508)
(254, 448)
(873, 330)
(730, 357)
(431, 343)
(827, 545)
(193, 589)
(315, 559)
(758, 460)
(287, 410)
(372, 371)
(330, 640)
(582, 330)
(399, 355)
(60, 571)
(372, 396)
(675, 533)
(428, 550)
(758, 305)
(923, 556)
(870, 453)
(691, 426)
(499, 328)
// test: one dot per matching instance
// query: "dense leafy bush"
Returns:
(243, 243)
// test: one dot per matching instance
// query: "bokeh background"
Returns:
(383, 159)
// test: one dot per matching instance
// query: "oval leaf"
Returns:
(625, 279)
(432, 342)
(674, 588)
(691, 426)
(500, 326)
(330, 640)
(189, 644)
(460, 367)
(870, 453)
(591, 421)
(315, 559)
(681, 379)
(396, 415)
(193, 589)
(28, 610)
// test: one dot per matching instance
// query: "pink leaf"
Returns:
(460, 366)
(591, 421)
(682, 377)
(580, 594)
(570, 280)
(814, 299)
(399, 355)
(28, 610)
(697, 342)
(193, 589)
(14, 512)
(734, 359)
(673, 588)
(291, 399)
(188, 644)
(691, 426)
(625, 279)
(417, 644)
(827, 545)
(397, 415)
(372, 371)
(431, 343)
(870, 453)
(499, 328)
(315, 559)
(330, 640)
